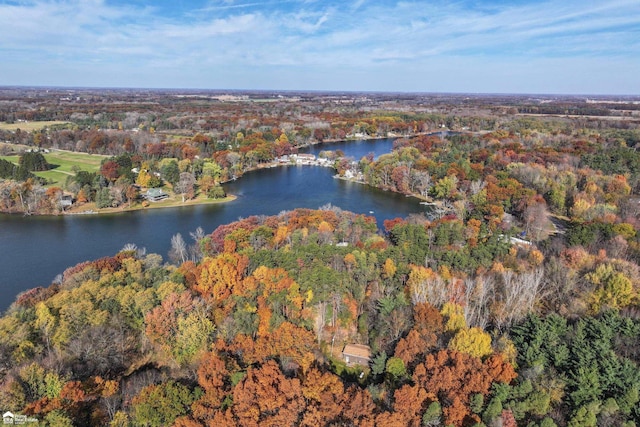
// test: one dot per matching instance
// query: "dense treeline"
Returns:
(245, 327)
(231, 134)
(22, 191)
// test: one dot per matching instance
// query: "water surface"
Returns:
(33, 250)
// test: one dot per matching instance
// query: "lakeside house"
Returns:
(155, 195)
(66, 201)
(356, 354)
(304, 158)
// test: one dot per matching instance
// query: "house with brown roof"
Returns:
(356, 354)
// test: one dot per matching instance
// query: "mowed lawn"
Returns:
(29, 126)
(63, 162)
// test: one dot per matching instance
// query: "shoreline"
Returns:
(424, 200)
(91, 209)
(165, 204)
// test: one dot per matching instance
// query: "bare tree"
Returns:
(536, 221)
(433, 290)
(117, 194)
(559, 286)
(185, 185)
(516, 296)
(478, 293)
(420, 182)
(476, 187)
(129, 247)
(234, 159)
(195, 249)
(441, 209)
(178, 252)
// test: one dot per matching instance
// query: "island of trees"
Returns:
(515, 303)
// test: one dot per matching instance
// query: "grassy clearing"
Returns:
(64, 162)
(29, 126)
(171, 202)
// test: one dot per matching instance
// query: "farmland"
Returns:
(65, 163)
(30, 126)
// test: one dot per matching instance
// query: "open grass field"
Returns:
(29, 126)
(171, 202)
(64, 162)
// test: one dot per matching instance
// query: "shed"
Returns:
(356, 354)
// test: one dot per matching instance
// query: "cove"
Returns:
(34, 250)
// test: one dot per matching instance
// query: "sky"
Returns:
(463, 46)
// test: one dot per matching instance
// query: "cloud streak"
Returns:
(374, 40)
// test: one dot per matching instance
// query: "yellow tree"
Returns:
(612, 288)
(144, 178)
(473, 341)
(220, 275)
(454, 314)
(389, 268)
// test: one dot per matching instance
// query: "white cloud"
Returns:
(360, 38)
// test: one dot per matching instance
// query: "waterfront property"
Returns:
(155, 195)
(66, 201)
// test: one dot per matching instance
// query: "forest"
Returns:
(514, 303)
(188, 144)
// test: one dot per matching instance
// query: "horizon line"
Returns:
(315, 91)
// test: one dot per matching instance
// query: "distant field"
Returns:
(29, 126)
(65, 160)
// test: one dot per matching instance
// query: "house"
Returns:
(155, 195)
(356, 354)
(66, 201)
(305, 159)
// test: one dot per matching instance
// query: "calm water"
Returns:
(33, 250)
(355, 149)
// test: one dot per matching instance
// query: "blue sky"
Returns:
(522, 46)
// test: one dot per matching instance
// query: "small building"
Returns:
(356, 354)
(66, 200)
(305, 159)
(155, 195)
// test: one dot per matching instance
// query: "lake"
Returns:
(33, 250)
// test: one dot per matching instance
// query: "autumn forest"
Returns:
(514, 302)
